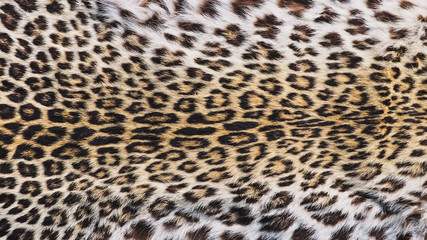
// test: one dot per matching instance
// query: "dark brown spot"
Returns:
(391, 184)
(208, 8)
(417, 153)
(277, 223)
(142, 231)
(385, 16)
(378, 233)
(240, 7)
(154, 22)
(373, 4)
(303, 233)
(232, 236)
(343, 233)
(330, 218)
(296, 7)
(332, 39)
(398, 33)
(191, 27)
(406, 4)
(295, 4)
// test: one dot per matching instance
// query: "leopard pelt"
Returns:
(213, 119)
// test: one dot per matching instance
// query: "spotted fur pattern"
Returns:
(213, 119)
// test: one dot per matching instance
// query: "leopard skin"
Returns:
(213, 119)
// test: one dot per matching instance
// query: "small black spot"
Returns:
(61, 26)
(21, 233)
(4, 227)
(58, 131)
(378, 232)
(343, 233)
(238, 126)
(302, 233)
(417, 153)
(16, 70)
(228, 235)
(6, 168)
(142, 231)
(14, 126)
(404, 236)
(55, 7)
(27, 5)
(277, 223)
(72, 199)
(46, 139)
(332, 39)
(6, 111)
(191, 27)
(330, 218)
(374, 4)
(113, 130)
(189, 131)
(49, 234)
(208, 8)
(237, 215)
(99, 141)
(241, 7)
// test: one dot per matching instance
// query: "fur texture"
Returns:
(209, 119)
